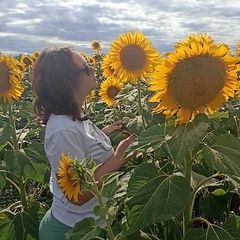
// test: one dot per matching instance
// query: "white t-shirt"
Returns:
(77, 139)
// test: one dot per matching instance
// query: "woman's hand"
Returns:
(108, 130)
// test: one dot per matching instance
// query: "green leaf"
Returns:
(224, 155)
(195, 234)
(29, 162)
(110, 184)
(219, 192)
(183, 139)
(5, 134)
(84, 230)
(213, 232)
(153, 137)
(16, 226)
(141, 175)
(6, 227)
(156, 201)
(232, 226)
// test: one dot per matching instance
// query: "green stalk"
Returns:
(16, 147)
(187, 214)
(98, 195)
(140, 110)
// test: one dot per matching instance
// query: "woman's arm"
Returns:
(114, 163)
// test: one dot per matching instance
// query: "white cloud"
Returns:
(26, 26)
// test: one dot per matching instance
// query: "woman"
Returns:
(62, 79)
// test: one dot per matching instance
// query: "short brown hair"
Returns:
(55, 75)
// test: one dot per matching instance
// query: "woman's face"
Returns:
(87, 79)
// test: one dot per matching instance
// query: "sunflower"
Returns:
(109, 89)
(197, 77)
(132, 56)
(10, 78)
(90, 96)
(27, 61)
(68, 178)
(35, 55)
(107, 70)
(92, 61)
(96, 45)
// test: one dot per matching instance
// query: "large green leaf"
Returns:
(213, 232)
(141, 176)
(5, 133)
(7, 230)
(159, 199)
(152, 138)
(29, 162)
(232, 226)
(224, 155)
(182, 140)
(84, 230)
(17, 226)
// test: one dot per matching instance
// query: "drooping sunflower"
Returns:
(10, 78)
(109, 89)
(96, 45)
(68, 178)
(197, 77)
(132, 56)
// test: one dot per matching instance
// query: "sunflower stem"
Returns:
(98, 195)
(140, 110)
(21, 188)
(187, 214)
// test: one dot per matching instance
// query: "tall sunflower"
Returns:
(132, 56)
(96, 45)
(10, 78)
(197, 77)
(109, 89)
(68, 178)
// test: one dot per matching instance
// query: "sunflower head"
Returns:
(70, 177)
(90, 96)
(35, 55)
(196, 78)
(10, 78)
(27, 61)
(132, 56)
(109, 89)
(107, 70)
(96, 45)
(92, 61)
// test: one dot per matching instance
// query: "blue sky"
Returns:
(26, 26)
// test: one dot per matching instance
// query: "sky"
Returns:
(28, 26)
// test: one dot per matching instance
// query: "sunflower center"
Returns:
(27, 61)
(133, 57)
(112, 92)
(196, 81)
(96, 45)
(4, 77)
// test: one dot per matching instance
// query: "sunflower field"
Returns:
(182, 180)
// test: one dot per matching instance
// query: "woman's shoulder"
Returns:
(58, 123)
